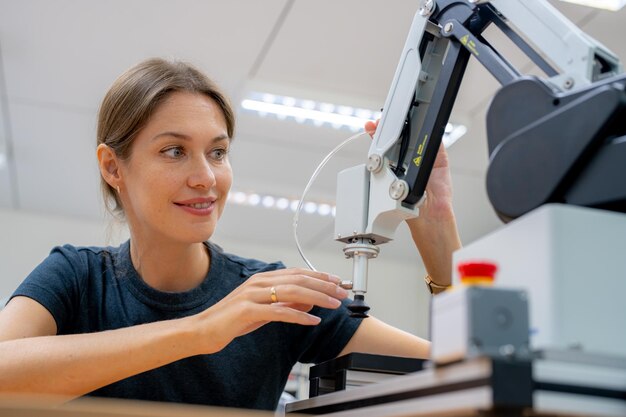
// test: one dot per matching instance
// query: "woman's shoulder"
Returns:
(79, 256)
(248, 266)
(72, 250)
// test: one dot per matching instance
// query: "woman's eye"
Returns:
(219, 154)
(174, 152)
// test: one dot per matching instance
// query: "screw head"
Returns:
(427, 7)
(398, 190)
(374, 163)
(448, 27)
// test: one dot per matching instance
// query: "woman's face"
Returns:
(176, 181)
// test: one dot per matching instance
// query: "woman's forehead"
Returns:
(184, 110)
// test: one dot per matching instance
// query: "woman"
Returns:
(169, 316)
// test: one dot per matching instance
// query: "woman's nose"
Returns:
(202, 175)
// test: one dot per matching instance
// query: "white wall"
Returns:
(396, 292)
(26, 239)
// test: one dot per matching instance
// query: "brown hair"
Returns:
(135, 95)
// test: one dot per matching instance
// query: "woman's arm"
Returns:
(434, 231)
(377, 337)
(34, 360)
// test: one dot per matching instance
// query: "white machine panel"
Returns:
(572, 263)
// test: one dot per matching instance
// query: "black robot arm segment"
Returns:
(544, 136)
(445, 55)
(565, 148)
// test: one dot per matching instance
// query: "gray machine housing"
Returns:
(474, 321)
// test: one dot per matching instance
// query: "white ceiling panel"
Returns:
(280, 157)
(56, 161)
(347, 47)
(290, 133)
(70, 51)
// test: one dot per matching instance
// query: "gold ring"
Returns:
(273, 296)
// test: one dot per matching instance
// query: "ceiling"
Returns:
(58, 57)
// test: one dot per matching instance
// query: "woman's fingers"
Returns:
(285, 295)
(290, 293)
(297, 306)
(308, 292)
(324, 276)
(320, 282)
(282, 313)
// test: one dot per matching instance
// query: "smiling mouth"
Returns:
(197, 205)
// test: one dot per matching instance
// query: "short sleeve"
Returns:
(326, 340)
(55, 285)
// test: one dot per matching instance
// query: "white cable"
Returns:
(306, 190)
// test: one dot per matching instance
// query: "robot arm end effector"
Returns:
(359, 193)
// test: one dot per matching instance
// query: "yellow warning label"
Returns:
(420, 149)
(469, 44)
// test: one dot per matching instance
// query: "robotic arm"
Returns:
(550, 139)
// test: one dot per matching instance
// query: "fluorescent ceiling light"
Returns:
(303, 111)
(318, 114)
(613, 5)
(281, 203)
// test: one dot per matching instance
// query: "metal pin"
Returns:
(346, 285)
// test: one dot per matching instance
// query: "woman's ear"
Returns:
(109, 165)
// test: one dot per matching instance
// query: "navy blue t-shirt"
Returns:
(90, 289)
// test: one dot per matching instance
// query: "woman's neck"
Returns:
(169, 266)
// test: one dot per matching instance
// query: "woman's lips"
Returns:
(197, 206)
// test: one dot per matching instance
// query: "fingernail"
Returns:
(334, 302)
(334, 278)
(315, 319)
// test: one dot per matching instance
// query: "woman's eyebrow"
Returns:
(179, 135)
(173, 134)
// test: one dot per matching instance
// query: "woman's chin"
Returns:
(198, 235)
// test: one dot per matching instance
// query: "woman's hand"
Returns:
(434, 231)
(438, 203)
(285, 295)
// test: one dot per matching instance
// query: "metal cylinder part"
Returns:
(360, 250)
